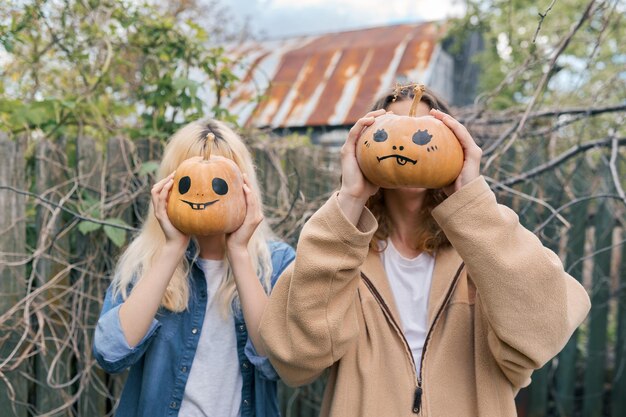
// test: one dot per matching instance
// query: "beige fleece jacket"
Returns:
(500, 306)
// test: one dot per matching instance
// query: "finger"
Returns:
(246, 180)
(253, 211)
(162, 196)
(366, 120)
(247, 193)
(357, 129)
(360, 124)
(156, 192)
(157, 187)
(247, 188)
(251, 201)
(376, 113)
(256, 214)
(166, 179)
(460, 131)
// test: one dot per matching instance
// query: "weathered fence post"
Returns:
(566, 372)
(12, 272)
(118, 175)
(52, 364)
(532, 215)
(618, 394)
(595, 371)
(89, 162)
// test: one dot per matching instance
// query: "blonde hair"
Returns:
(431, 237)
(190, 141)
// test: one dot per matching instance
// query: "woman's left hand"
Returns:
(238, 240)
(471, 151)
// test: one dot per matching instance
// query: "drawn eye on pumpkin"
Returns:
(380, 135)
(422, 137)
(219, 186)
(184, 184)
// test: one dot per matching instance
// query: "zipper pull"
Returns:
(417, 400)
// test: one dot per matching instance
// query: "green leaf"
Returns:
(70, 104)
(148, 167)
(40, 112)
(117, 235)
(86, 226)
(183, 83)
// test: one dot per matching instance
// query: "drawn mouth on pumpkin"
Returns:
(200, 206)
(401, 160)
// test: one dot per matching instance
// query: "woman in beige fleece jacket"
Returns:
(421, 302)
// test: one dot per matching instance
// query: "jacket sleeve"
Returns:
(110, 347)
(282, 256)
(531, 305)
(311, 317)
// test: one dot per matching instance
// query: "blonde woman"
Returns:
(420, 302)
(179, 307)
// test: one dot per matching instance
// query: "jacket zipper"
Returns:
(417, 397)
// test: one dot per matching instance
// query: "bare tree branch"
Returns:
(572, 203)
(544, 80)
(594, 253)
(525, 196)
(575, 150)
(542, 16)
(613, 167)
(65, 209)
(584, 111)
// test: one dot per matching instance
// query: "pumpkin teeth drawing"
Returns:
(211, 177)
(401, 160)
(199, 206)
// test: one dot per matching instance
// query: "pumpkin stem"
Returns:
(208, 145)
(418, 91)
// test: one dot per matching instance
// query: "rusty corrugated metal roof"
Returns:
(330, 79)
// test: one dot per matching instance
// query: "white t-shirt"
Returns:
(214, 385)
(410, 281)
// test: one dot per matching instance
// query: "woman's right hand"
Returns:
(354, 185)
(160, 192)
(355, 188)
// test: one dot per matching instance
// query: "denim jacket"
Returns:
(160, 363)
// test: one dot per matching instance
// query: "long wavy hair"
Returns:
(430, 235)
(190, 141)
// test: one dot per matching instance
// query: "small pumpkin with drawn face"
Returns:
(207, 197)
(407, 151)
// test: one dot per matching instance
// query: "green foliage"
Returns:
(86, 227)
(148, 167)
(107, 67)
(104, 69)
(117, 235)
(523, 34)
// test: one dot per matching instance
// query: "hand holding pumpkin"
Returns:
(160, 192)
(238, 240)
(471, 152)
(354, 185)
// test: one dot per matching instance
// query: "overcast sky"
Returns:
(282, 18)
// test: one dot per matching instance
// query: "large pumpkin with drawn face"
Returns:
(207, 197)
(406, 151)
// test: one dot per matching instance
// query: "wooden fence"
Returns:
(55, 266)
